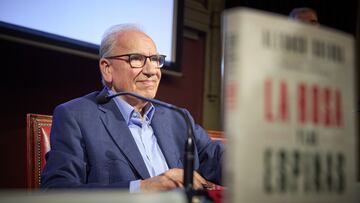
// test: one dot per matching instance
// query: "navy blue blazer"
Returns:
(92, 146)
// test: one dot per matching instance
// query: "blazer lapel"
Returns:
(120, 133)
(165, 139)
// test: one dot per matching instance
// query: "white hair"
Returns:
(110, 36)
(296, 11)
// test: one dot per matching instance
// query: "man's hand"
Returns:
(171, 179)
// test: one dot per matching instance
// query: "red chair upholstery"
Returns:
(217, 135)
(37, 144)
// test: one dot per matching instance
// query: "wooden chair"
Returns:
(37, 144)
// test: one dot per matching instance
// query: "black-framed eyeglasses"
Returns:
(139, 60)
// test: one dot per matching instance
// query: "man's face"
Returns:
(120, 76)
(308, 17)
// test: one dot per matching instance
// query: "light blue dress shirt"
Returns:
(143, 134)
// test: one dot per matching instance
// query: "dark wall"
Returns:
(336, 14)
(35, 80)
(187, 90)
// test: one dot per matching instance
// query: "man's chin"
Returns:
(150, 95)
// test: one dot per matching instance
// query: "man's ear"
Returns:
(105, 69)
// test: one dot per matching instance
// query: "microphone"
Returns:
(102, 99)
(189, 144)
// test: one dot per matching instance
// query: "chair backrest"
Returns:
(217, 135)
(37, 145)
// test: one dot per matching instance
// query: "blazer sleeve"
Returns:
(66, 162)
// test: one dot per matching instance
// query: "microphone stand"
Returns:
(189, 144)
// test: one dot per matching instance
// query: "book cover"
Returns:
(289, 110)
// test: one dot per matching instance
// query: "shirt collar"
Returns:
(127, 110)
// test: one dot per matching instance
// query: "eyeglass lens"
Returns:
(138, 61)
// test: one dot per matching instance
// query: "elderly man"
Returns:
(127, 142)
(304, 14)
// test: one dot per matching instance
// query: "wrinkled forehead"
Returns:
(134, 41)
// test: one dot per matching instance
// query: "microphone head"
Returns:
(102, 99)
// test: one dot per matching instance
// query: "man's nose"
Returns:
(149, 67)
